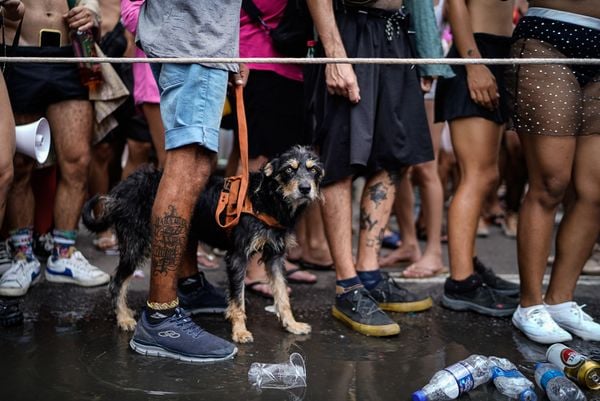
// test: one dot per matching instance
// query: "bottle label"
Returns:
(549, 375)
(497, 372)
(463, 377)
(571, 358)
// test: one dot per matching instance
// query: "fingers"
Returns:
(80, 18)
(341, 81)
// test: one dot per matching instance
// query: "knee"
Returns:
(102, 153)
(6, 175)
(550, 191)
(74, 169)
(426, 173)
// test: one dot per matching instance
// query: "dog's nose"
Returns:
(304, 189)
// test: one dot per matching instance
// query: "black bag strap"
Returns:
(15, 42)
(254, 12)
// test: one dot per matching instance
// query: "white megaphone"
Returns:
(33, 140)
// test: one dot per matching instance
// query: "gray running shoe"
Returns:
(178, 337)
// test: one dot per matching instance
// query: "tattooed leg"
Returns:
(171, 216)
(375, 208)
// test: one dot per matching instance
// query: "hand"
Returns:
(241, 77)
(341, 81)
(80, 18)
(13, 9)
(426, 83)
(482, 86)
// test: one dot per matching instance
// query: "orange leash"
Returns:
(235, 188)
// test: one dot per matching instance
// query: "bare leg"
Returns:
(314, 243)
(549, 163)
(375, 207)
(579, 228)
(157, 130)
(476, 143)
(171, 214)
(20, 204)
(403, 207)
(139, 152)
(338, 226)
(7, 150)
(71, 124)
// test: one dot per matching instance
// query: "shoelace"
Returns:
(365, 304)
(578, 310)
(542, 318)
(187, 324)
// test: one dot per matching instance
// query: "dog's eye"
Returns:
(289, 170)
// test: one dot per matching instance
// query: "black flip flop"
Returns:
(314, 266)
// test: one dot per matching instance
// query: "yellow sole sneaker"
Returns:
(367, 329)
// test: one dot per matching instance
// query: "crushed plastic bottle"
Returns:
(457, 379)
(576, 366)
(510, 382)
(281, 376)
(555, 384)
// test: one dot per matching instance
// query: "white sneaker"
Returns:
(5, 257)
(576, 321)
(21, 275)
(75, 270)
(537, 324)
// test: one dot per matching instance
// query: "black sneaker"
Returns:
(360, 311)
(205, 298)
(10, 314)
(178, 337)
(481, 299)
(496, 283)
(391, 297)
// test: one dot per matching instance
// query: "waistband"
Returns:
(46, 51)
(564, 16)
(375, 12)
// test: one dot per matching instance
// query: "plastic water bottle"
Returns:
(556, 385)
(576, 366)
(457, 379)
(281, 376)
(510, 382)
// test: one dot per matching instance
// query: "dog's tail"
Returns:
(94, 223)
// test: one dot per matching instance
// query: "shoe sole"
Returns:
(19, 292)
(405, 307)
(458, 305)
(149, 350)
(366, 329)
(55, 278)
(579, 333)
(541, 339)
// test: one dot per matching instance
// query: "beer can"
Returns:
(576, 366)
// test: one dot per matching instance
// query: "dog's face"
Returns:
(298, 173)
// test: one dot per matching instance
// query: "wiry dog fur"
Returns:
(282, 189)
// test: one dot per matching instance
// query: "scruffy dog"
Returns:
(282, 189)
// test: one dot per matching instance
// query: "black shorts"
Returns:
(32, 87)
(452, 97)
(387, 130)
(274, 112)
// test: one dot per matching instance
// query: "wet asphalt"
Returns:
(69, 347)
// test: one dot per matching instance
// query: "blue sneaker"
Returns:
(178, 337)
(205, 298)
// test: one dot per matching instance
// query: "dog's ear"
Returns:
(269, 168)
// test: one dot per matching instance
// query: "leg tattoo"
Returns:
(169, 242)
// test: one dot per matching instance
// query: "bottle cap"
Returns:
(419, 396)
(528, 395)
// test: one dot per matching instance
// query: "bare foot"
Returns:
(404, 253)
(427, 266)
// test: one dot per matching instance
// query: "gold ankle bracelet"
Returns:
(163, 305)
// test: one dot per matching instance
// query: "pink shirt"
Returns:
(256, 42)
(145, 89)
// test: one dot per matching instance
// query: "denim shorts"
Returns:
(191, 104)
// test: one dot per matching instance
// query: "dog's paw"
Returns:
(298, 328)
(127, 324)
(242, 336)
